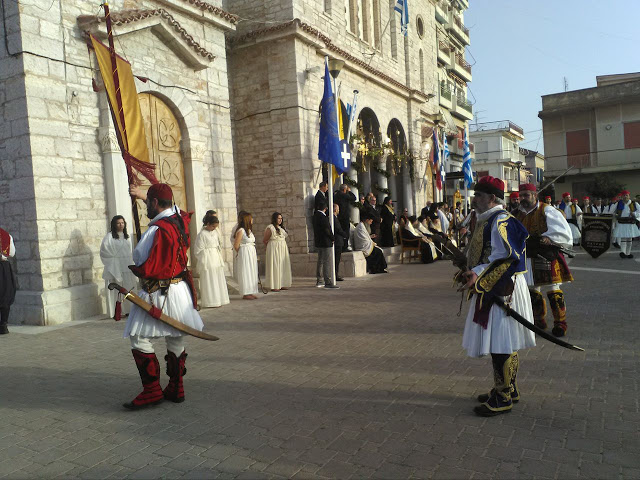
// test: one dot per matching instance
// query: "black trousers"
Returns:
(4, 315)
(338, 255)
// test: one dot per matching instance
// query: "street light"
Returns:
(335, 67)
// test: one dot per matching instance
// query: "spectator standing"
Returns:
(371, 209)
(7, 279)
(341, 238)
(323, 239)
(344, 198)
(246, 258)
(206, 249)
(116, 254)
(387, 223)
(278, 263)
(322, 195)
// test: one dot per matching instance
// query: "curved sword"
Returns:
(156, 313)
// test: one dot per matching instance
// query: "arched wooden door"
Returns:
(163, 141)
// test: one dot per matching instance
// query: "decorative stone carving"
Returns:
(110, 143)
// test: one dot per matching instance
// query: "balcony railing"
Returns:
(445, 91)
(499, 125)
(458, 22)
(463, 103)
(579, 161)
(463, 63)
(444, 47)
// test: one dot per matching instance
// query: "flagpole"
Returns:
(330, 212)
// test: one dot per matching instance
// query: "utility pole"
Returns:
(566, 84)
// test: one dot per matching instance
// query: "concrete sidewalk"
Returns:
(366, 381)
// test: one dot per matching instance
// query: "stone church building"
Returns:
(230, 93)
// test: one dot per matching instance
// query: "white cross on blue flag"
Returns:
(466, 166)
(332, 149)
(403, 7)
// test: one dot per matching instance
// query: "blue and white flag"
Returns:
(403, 7)
(466, 166)
(332, 149)
(445, 159)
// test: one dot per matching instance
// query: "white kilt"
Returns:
(179, 306)
(626, 230)
(503, 334)
(575, 232)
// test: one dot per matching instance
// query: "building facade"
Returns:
(230, 93)
(497, 152)
(594, 132)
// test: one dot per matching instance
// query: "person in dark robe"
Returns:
(345, 199)
(7, 279)
(376, 263)
(371, 209)
(410, 233)
(387, 223)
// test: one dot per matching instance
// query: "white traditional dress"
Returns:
(278, 264)
(116, 255)
(210, 267)
(572, 213)
(246, 264)
(502, 334)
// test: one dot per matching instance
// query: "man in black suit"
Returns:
(322, 195)
(344, 199)
(323, 239)
(341, 239)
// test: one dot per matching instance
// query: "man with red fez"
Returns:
(514, 202)
(628, 217)
(161, 264)
(572, 212)
(496, 268)
(546, 266)
(587, 208)
(547, 200)
(7, 279)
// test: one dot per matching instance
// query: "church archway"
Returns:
(370, 139)
(164, 134)
(398, 165)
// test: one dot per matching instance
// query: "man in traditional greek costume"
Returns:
(572, 212)
(546, 266)
(7, 279)
(161, 265)
(627, 214)
(496, 270)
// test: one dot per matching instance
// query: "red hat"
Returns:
(586, 198)
(161, 191)
(548, 197)
(566, 194)
(514, 195)
(490, 185)
(528, 187)
(625, 192)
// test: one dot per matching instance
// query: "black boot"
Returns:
(499, 401)
(4, 320)
(515, 392)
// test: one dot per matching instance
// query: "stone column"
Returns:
(116, 182)
(407, 189)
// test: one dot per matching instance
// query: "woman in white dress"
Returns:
(278, 264)
(213, 285)
(246, 262)
(116, 255)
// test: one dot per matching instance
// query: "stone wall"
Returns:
(70, 131)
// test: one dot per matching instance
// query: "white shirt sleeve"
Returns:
(142, 250)
(558, 229)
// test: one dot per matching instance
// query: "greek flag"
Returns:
(466, 166)
(403, 8)
(446, 156)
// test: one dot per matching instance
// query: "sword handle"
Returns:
(115, 286)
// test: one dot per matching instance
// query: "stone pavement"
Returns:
(367, 381)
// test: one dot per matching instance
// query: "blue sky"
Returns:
(522, 49)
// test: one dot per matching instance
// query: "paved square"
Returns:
(367, 381)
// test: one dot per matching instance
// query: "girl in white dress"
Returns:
(116, 255)
(213, 285)
(278, 264)
(246, 263)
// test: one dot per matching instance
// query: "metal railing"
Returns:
(499, 125)
(444, 47)
(458, 22)
(445, 91)
(579, 161)
(463, 63)
(463, 103)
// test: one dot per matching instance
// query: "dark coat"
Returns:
(373, 211)
(322, 234)
(344, 201)
(386, 227)
(341, 237)
(321, 197)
